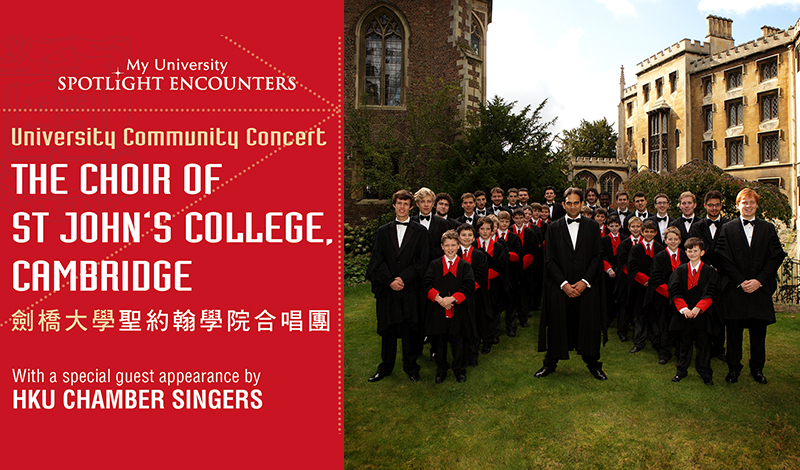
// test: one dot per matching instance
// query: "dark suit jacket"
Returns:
(628, 214)
(474, 221)
(680, 225)
(654, 218)
(660, 272)
(565, 263)
(490, 209)
(437, 227)
(639, 266)
(436, 322)
(390, 260)
(557, 212)
(738, 262)
(702, 229)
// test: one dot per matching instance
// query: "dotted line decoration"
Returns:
(184, 209)
(340, 249)
(261, 59)
(170, 110)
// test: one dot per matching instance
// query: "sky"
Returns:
(570, 52)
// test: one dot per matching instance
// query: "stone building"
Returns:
(389, 47)
(732, 105)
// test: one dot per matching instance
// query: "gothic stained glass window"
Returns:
(383, 64)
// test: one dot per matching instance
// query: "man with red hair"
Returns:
(748, 254)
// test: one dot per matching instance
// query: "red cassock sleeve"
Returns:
(663, 290)
(526, 261)
(476, 286)
(432, 294)
(625, 269)
(704, 304)
(493, 274)
(606, 266)
(642, 278)
(513, 257)
(459, 297)
(680, 304)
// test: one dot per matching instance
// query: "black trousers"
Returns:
(459, 353)
(758, 337)
(410, 340)
(702, 363)
(573, 309)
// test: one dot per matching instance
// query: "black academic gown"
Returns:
(706, 289)
(479, 261)
(462, 322)
(738, 262)
(565, 263)
(390, 260)
(702, 229)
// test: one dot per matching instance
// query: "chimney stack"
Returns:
(719, 33)
(770, 31)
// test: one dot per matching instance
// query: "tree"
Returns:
(502, 148)
(699, 177)
(391, 150)
(596, 139)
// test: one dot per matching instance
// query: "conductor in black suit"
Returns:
(574, 296)
(395, 270)
(748, 254)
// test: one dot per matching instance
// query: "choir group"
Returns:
(680, 284)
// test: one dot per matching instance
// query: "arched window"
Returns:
(383, 40)
(476, 37)
(610, 182)
(588, 177)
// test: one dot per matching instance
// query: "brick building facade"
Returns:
(389, 47)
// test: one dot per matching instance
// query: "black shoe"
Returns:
(525, 325)
(414, 377)
(487, 348)
(512, 333)
(677, 378)
(377, 377)
(461, 378)
(662, 361)
(759, 377)
(440, 377)
(708, 382)
(623, 338)
(598, 374)
(635, 349)
(496, 341)
(732, 377)
(543, 372)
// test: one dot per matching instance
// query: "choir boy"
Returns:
(664, 264)
(640, 261)
(499, 284)
(483, 305)
(621, 290)
(449, 285)
(611, 244)
(531, 240)
(600, 216)
(515, 255)
(707, 229)
(692, 289)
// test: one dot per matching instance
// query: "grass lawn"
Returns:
(503, 417)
